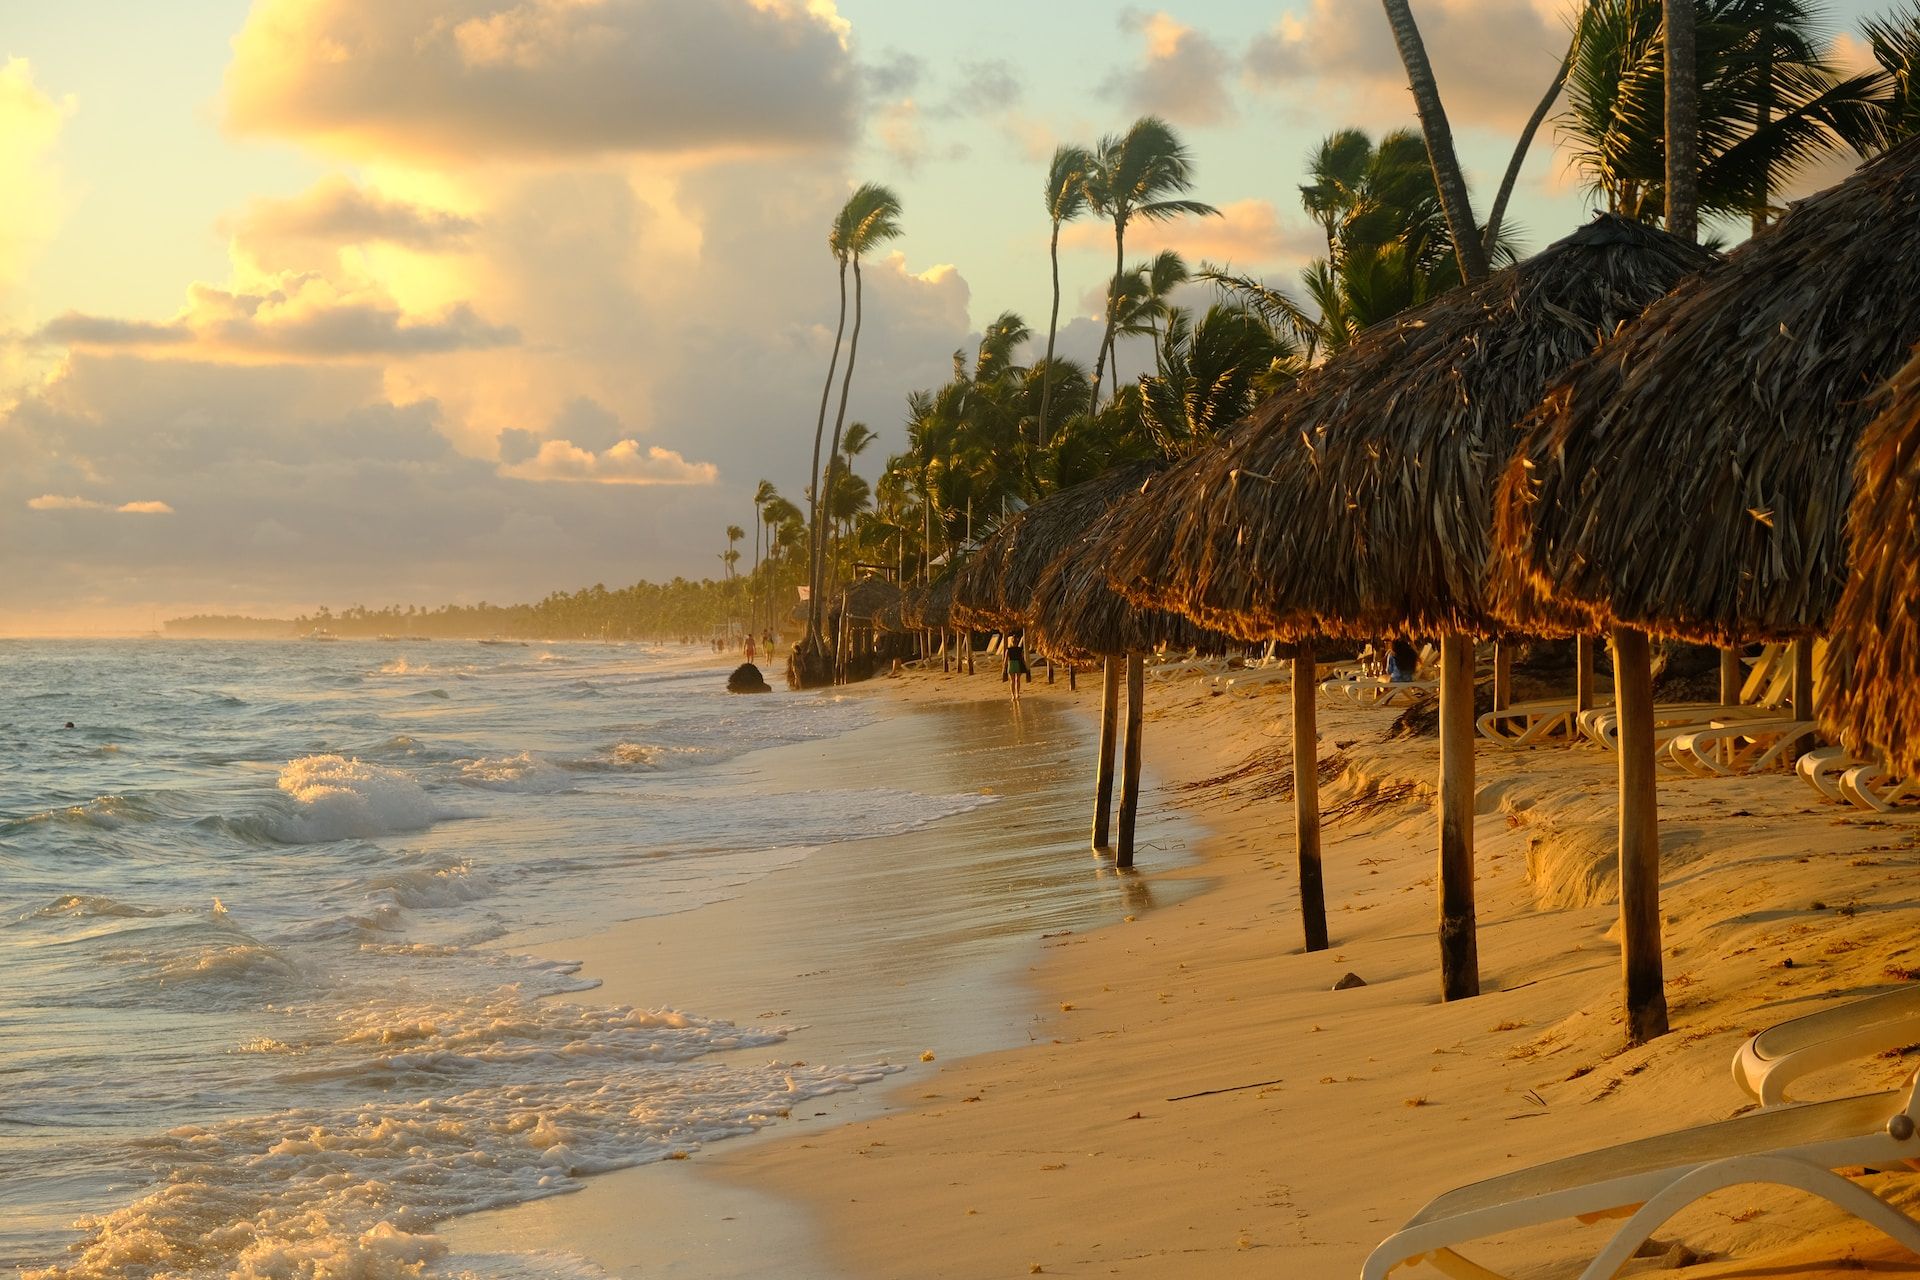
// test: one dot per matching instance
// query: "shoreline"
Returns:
(960, 901)
(1336, 1113)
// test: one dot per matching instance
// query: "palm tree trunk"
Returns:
(1447, 175)
(1053, 327)
(840, 417)
(1113, 301)
(813, 498)
(1683, 121)
(1525, 142)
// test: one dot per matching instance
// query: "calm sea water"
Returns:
(250, 1023)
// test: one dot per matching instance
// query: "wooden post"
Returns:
(1049, 668)
(1502, 675)
(967, 640)
(1803, 708)
(1306, 801)
(1103, 772)
(1072, 684)
(1640, 959)
(1459, 947)
(946, 650)
(1582, 674)
(1130, 761)
(1732, 676)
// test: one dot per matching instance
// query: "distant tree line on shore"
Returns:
(643, 611)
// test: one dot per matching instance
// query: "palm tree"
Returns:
(1447, 175)
(1066, 200)
(872, 217)
(1765, 103)
(734, 534)
(1894, 39)
(1131, 177)
(839, 234)
(1144, 296)
(1211, 374)
(763, 493)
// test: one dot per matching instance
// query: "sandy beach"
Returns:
(1187, 1095)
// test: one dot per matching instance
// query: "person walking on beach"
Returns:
(1016, 660)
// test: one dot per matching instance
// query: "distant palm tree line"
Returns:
(999, 434)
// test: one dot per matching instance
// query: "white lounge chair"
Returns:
(1191, 665)
(1821, 769)
(1737, 745)
(1649, 1181)
(1768, 1064)
(1527, 724)
(1868, 786)
(1252, 680)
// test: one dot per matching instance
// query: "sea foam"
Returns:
(336, 798)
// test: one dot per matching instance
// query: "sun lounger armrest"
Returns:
(1768, 1064)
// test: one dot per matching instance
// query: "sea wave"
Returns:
(336, 798)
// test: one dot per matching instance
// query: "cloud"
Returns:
(984, 88)
(1182, 74)
(304, 316)
(472, 80)
(1492, 58)
(30, 124)
(624, 463)
(1247, 233)
(57, 502)
(336, 211)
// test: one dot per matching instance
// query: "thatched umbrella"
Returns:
(1359, 502)
(1691, 479)
(1873, 657)
(1075, 611)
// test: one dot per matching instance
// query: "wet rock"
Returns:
(746, 678)
(1349, 982)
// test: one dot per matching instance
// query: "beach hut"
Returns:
(1359, 502)
(1873, 659)
(1691, 479)
(1075, 611)
(858, 612)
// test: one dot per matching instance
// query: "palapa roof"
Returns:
(888, 619)
(1360, 500)
(998, 585)
(1692, 479)
(929, 608)
(1076, 612)
(1873, 655)
(864, 599)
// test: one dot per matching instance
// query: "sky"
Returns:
(334, 302)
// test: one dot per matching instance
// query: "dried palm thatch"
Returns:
(1873, 655)
(1360, 501)
(1000, 582)
(929, 608)
(888, 620)
(1077, 613)
(1693, 478)
(863, 600)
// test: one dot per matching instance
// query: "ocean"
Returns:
(265, 1007)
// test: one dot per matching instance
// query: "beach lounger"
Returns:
(1188, 666)
(1739, 745)
(1769, 1063)
(1670, 720)
(1252, 680)
(1868, 786)
(1527, 724)
(1821, 769)
(1649, 1181)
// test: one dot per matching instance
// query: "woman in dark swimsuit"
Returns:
(1016, 660)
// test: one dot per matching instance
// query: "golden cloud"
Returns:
(460, 81)
(30, 124)
(1247, 233)
(60, 502)
(623, 463)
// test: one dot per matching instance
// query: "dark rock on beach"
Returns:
(746, 678)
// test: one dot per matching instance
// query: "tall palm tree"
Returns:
(1146, 296)
(1447, 174)
(1133, 175)
(1211, 373)
(1766, 103)
(839, 235)
(871, 219)
(1894, 38)
(734, 534)
(763, 493)
(1066, 200)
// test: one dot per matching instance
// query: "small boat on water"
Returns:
(519, 644)
(319, 634)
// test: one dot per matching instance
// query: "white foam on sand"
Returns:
(480, 1102)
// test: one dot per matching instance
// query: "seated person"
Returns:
(1401, 661)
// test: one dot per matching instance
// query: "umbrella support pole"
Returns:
(1459, 946)
(1306, 800)
(1502, 675)
(1582, 673)
(1803, 702)
(1642, 967)
(1130, 761)
(1731, 676)
(1103, 772)
(968, 642)
(1071, 670)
